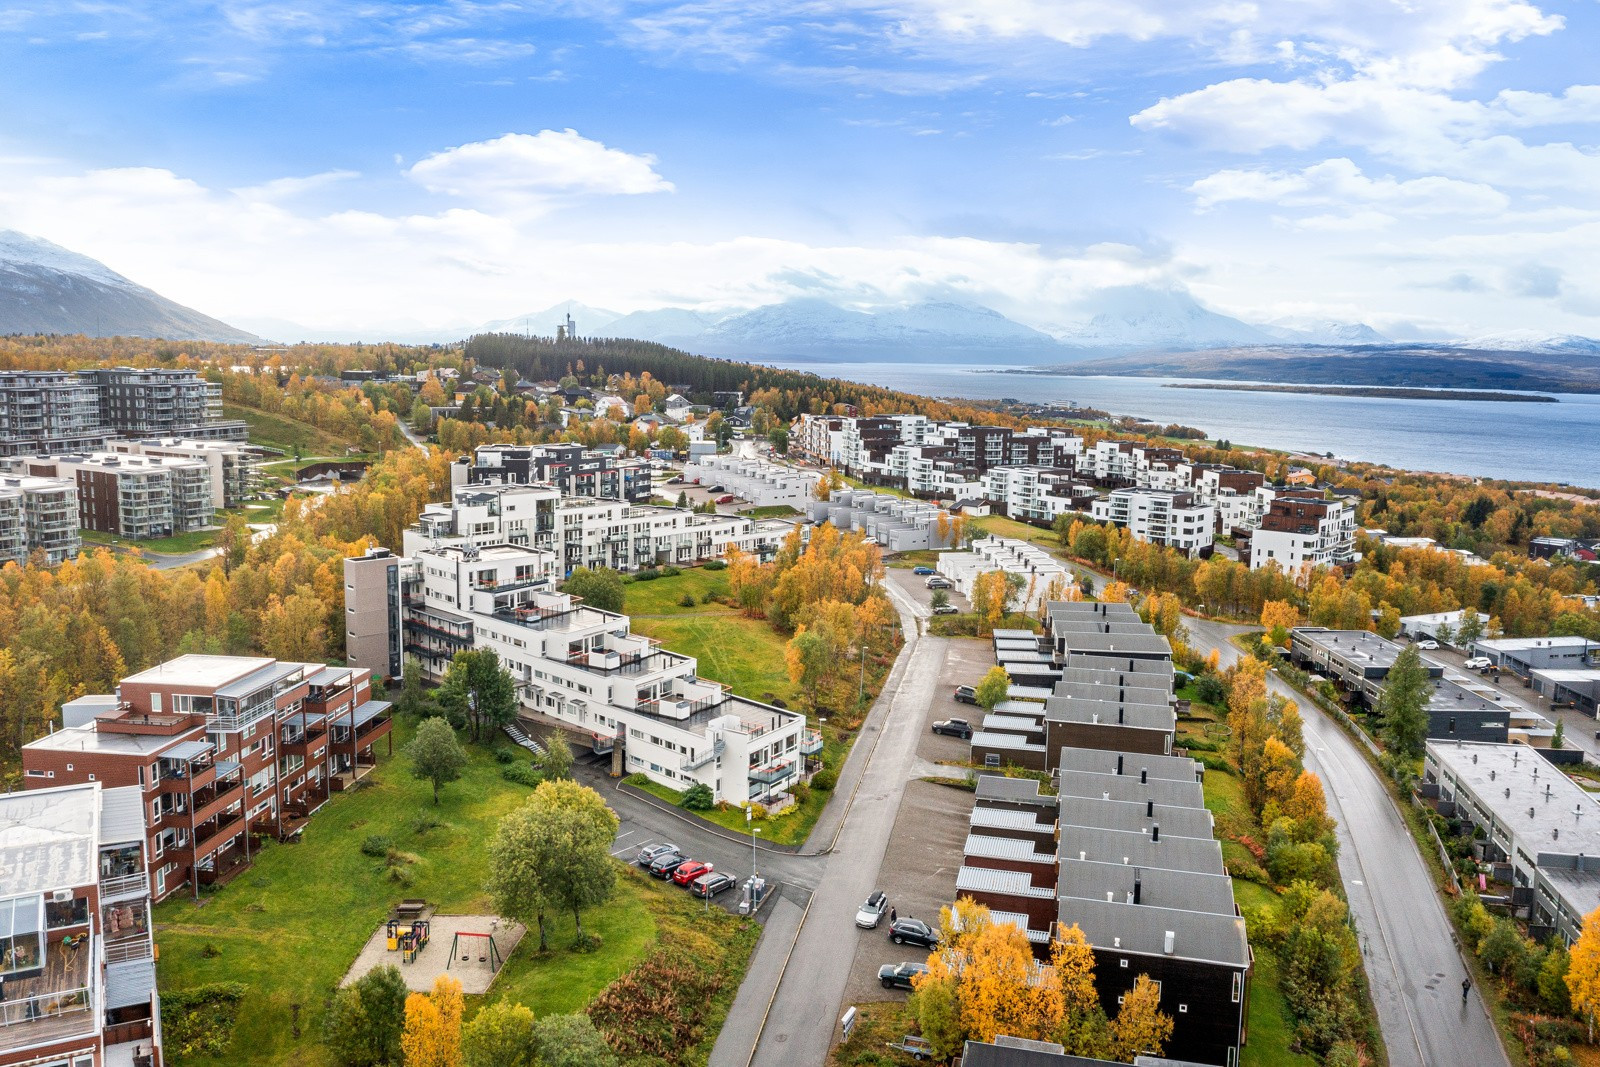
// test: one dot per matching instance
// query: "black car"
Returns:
(650, 853)
(667, 864)
(709, 885)
(954, 728)
(965, 694)
(899, 975)
(913, 932)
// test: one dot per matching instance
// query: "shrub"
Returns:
(716, 565)
(523, 774)
(376, 845)
(707, 597)
(502, 754)
(670, 572)
(826, 778)
(199, 1022)
(425, 822)
(649, 574)
(698, 797)
(687, 600)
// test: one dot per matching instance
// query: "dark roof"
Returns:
(1033, 1054)
(1158, 888)
(1180, 820)
(1088, 784)
(1130, 713)
(1111, 926)
(997, 787)
(1135, 849)
(1130, 764)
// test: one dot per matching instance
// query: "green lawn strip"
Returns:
(743, 653)
(1000, 526)
(917, 557)
(661, 596)
(290, 927)
(1269, 1032)
(283, 433)
(771, 511)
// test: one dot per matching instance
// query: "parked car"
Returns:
(913, 932)
(954, 728)
(716, 489)
(870, 914)
(1428, 643)
(899, 975)
(649, 853)
(916, 1047)
(965, 694)
(690, 871)
(923, 571)
(666, 865)
(709, 885)
(1478, 663)
(947, 609)
(675, 481)
(939, 582)
(725, 498)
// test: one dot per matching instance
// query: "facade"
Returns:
(222, 749)
(759, 482)
(574, 470)
(136, 497)
(77, 965)
(1520, 655)
(582, 669)
(231, 465)
(588, 533)
(1304, 530)
(897, 524)
(61, 411)
(1037, 494)
(1541, 830)
(1043, 577)
(1576, 688)
(38, 515)
(1170, 517)
(1358, 660)
(372, 613)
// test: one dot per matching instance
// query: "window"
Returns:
(1183, 1009)
(1238, 986)
(1123, 963)
(21, 935)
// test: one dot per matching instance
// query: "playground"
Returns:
(423, 945)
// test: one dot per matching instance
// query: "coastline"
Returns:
(1387, 392)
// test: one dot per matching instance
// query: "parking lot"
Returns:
(915, 586)
(1580, 727)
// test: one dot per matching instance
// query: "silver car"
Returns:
(870, 914)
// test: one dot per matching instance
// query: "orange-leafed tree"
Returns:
(1141, 1028)
(1279, 616)
(1583, 971)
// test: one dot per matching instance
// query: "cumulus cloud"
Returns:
(527, 170)
(1340, 183)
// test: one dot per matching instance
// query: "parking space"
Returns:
(965, 664)
(919, 875)
(915, 586)
(1581, 728)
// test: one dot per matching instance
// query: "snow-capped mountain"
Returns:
(1532, 341)
(590, 321)
(1329, 333)
(45, 288)
(1141, 317)
(676, 326)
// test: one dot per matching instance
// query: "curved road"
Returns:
(1413, 964)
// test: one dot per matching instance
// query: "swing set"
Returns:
(462, 946)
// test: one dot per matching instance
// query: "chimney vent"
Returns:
(1155, 832)
(1150, 807)
(1144, 775)
(1171, 942)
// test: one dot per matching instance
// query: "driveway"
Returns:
(1581, 727)
(1413, 964)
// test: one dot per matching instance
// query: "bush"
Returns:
(502, 754)
(824, 779)
(716, 565)
(425, 822)
(687, 600)
(523, 774)
(670, 572)
(377, 845)
(649, 574)
(698, 797)
(199, 1022)
(1210, 689)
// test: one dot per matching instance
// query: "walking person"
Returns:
(1466, 986)
(893, 916)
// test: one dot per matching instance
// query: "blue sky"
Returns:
(1428, 167)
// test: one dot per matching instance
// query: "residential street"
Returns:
(788, 1007)
(1413, 963)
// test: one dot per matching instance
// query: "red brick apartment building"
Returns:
(216, 744)
(77, 966)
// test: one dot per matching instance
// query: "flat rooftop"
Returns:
(1130, 764)
(1526, 644)
(1545, 810)
(1361, 648)
(87, 739)
(200, 670)
(49, 838)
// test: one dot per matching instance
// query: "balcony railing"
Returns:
(695, 760)
(45, 1016)
(811, 743)
(134, 948)
(127, 885)
(772, 772)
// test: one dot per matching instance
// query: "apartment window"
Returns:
(1183, 1009)
(1238, 986)
(1123, 963)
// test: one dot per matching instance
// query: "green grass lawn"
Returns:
(290, 927)
(773, 511)
(1269, 1030)
(661, 596)
(193, 541)
(277, 431)
(741, 652)
(1000, 526)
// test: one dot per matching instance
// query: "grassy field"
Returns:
(285, 434)
(774, 511)
(289, 927)
(1000, 526)
(662, 596)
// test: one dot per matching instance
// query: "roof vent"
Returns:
(1144, 775)
(1155, 832)
(1116, 942)
(1170, 943)
(1150, 806)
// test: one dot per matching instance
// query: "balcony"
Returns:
(56, 1004)
(127, 885)
(773, 773)
(209, 838)
(810, 743)
(693, 761)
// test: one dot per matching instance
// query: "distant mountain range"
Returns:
(44, 288)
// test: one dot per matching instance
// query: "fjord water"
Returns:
(1488, 439)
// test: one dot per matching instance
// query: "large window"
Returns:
(21, 935)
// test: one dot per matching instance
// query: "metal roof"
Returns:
(1131, 764)
(1158, 887)
(1141, 850)
(1013, 742)
(1031, 709)
(1113, 926)
(129, 983)
(368, 711)
(1087, 784)
(1004, 848)
(1011, 883)
(188, 750)
(986, 818)
(226, 766)
(121, 815)
(997, 787)
(49, 838)
(1023, 724)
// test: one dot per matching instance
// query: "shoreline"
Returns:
(1387, 392)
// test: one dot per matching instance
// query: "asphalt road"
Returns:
(1413, 964)
(788, 1007)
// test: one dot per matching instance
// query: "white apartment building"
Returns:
(760, 482)
(1302, 530)
(1037, 494)
(38, 514)
(585, 669)
(585, 532)
(1161, 516)
(895, 523)
(1043, 576)
(230, 464)
(819, 438)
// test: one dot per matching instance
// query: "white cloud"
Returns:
(527, 170)
(1340, 183)
(283, 188)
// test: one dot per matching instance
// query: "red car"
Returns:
(690, 871)
(728, 499)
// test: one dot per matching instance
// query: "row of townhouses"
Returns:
(1122, 846)
(583, 532)
(79, 411)
(893, 522)
(576, 667)
(757, 481)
